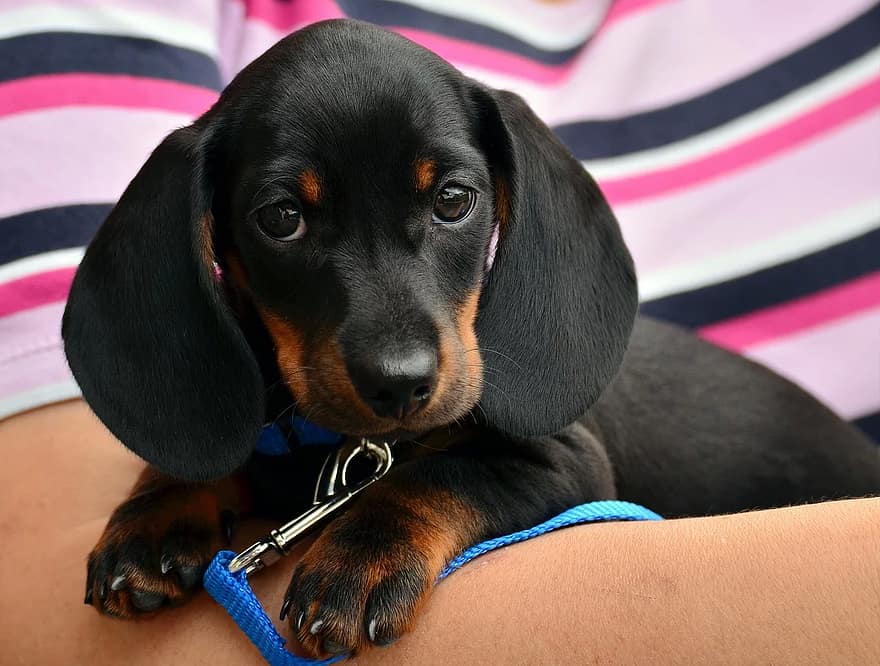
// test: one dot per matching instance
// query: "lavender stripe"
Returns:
(744, 208)
(75, 155)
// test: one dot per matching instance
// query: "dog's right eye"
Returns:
(282, 221)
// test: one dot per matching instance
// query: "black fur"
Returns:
(155, 349)
(575, 403)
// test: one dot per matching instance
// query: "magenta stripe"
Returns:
(760, 147)
(288, 16)
(59, 90)
(789, 318)
(468, 53)
(837, 362)
(625, 8)
(774, 198)
(75, 155)
(35, 290)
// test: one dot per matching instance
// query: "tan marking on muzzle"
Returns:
(290, 352)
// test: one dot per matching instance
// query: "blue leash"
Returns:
(235, 595)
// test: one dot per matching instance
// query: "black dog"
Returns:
(351, 187)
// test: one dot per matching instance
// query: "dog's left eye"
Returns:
(282, 221)
(453, 204)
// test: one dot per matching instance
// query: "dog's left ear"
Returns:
(558, 308)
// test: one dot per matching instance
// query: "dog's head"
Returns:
(353, 187)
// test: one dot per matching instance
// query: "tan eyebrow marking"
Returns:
(424, 174)
(310, 187)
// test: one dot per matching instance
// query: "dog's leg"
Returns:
(158, 542)
(365, 577)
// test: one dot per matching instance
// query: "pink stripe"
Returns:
(468, 53)
(838, 362)
(75, 155)
(795, 191)
(789, 318)
(758, 148)
(625, 8)
(289, 16)
(59, 90)
(35, 290)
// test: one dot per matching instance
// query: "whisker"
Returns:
(501, 354)
(499, 389)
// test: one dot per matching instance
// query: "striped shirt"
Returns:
(738, 142)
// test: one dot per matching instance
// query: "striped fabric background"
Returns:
(739, 143)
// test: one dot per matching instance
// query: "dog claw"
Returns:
(89, 597)
(285, 608)
(300, 620)
(102, 592)
(118, 583)
(316, 627)
(166, 564)
(373, 635)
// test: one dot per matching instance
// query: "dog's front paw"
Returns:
(155, 549)
(361, 583)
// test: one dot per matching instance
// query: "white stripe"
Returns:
(804, 240)
(40, 263)
(108, 20)
(543, 27)
(38, 397)
(789, 107)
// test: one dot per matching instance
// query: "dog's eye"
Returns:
(282, 221)
(453, 204)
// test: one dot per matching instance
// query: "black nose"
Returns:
(396, 384)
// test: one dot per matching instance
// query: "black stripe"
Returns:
(619, 136)
(771, 286)
(50, 229)
(396, 14)
(62, 52)
(870, 425)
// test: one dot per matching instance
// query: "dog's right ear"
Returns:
(148, 335)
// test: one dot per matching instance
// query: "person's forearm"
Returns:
(799, 585)
(794, 586)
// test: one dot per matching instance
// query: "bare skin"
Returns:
(796, 586)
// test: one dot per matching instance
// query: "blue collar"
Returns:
(279, 437)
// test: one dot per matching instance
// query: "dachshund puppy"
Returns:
(359, 234)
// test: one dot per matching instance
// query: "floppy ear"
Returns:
(148, 335)
(557, 310)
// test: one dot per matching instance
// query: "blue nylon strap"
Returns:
(235, 595)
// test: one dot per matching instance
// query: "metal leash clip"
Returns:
(331, 492)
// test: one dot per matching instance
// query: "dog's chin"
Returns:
(380, 429)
